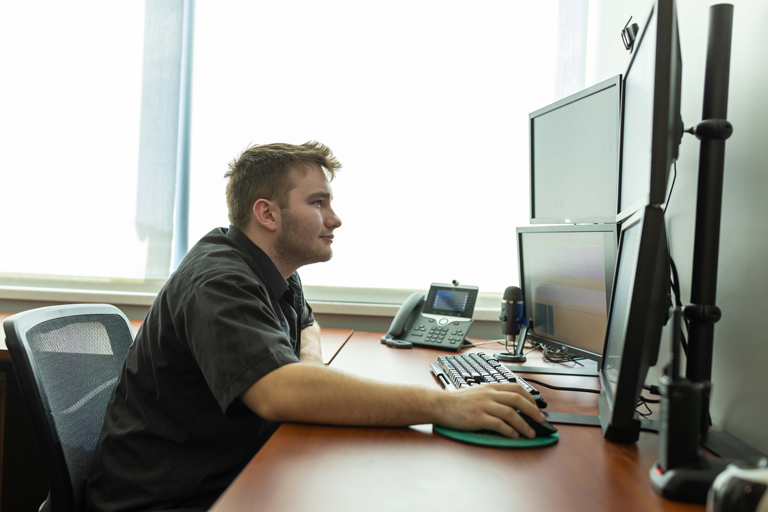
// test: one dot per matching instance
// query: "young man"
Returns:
(230, 348)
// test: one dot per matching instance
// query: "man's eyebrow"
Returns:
(320, 195)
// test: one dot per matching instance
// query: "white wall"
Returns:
(739, 375)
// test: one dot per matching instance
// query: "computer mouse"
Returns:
(541, 429)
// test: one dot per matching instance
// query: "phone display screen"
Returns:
(457, 302)
(450, 301)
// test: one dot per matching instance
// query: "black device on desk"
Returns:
(441, 319)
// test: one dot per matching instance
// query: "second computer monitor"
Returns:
(566, 275)
(574, 157)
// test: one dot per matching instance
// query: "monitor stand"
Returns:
(589, 369)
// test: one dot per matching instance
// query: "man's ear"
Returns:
(267, 214)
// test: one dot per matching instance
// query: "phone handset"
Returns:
(408, 311)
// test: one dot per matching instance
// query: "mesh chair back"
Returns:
(67, 360)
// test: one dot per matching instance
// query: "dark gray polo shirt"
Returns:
(175, 433)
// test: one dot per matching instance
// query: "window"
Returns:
(90, 116)
(425, 104)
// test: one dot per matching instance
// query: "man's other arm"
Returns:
(311, 393)
(310, 345)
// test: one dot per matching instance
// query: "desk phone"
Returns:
(441, 319)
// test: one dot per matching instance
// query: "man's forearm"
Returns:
(312, 394)
(317, 394)
(310, 345)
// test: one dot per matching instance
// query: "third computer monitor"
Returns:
(566, 274)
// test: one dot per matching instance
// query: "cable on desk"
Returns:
(534, 347)
(558, 388)
(647, 412)
(468, 343)
(558, 356)
(643, 402)
(654, 390)
(514, 347)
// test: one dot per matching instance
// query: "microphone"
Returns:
(512, 323)
(511, 308)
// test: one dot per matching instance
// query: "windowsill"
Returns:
(147, 298)
(363, 309)
(71, 295)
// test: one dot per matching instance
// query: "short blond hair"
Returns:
(264, 172)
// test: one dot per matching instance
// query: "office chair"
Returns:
(67, 360)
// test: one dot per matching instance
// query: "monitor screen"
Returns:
(639, 303)
(625, 277)
(574, 158)
(651, 126)
(566, 274)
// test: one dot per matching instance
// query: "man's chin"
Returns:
(319, 258)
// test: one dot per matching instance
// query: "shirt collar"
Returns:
(272, 278)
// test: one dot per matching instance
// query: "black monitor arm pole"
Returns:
(702, 313)
(683, 473)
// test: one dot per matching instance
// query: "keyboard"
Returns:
(475, 369)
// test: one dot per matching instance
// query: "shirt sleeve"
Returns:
(235, 335)
(307, 318)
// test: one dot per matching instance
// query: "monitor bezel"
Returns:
(615, 81)
(664, 117)
(645, 320)
(610, 274)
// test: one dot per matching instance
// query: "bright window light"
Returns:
(70, 103)
(425, 103)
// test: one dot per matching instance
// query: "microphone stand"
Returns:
(517, 356)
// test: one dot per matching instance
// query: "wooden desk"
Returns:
(23, 483)
(319, 468)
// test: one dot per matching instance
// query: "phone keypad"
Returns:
(427, 331)
(437, 334)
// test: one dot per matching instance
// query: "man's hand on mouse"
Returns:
(490, 407)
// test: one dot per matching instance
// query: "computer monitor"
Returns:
(566, 274)
(574, 157)
(640, 303)
(651, 126)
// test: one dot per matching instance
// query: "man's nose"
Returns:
(333, 221)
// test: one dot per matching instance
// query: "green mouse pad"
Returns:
(495, 440)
